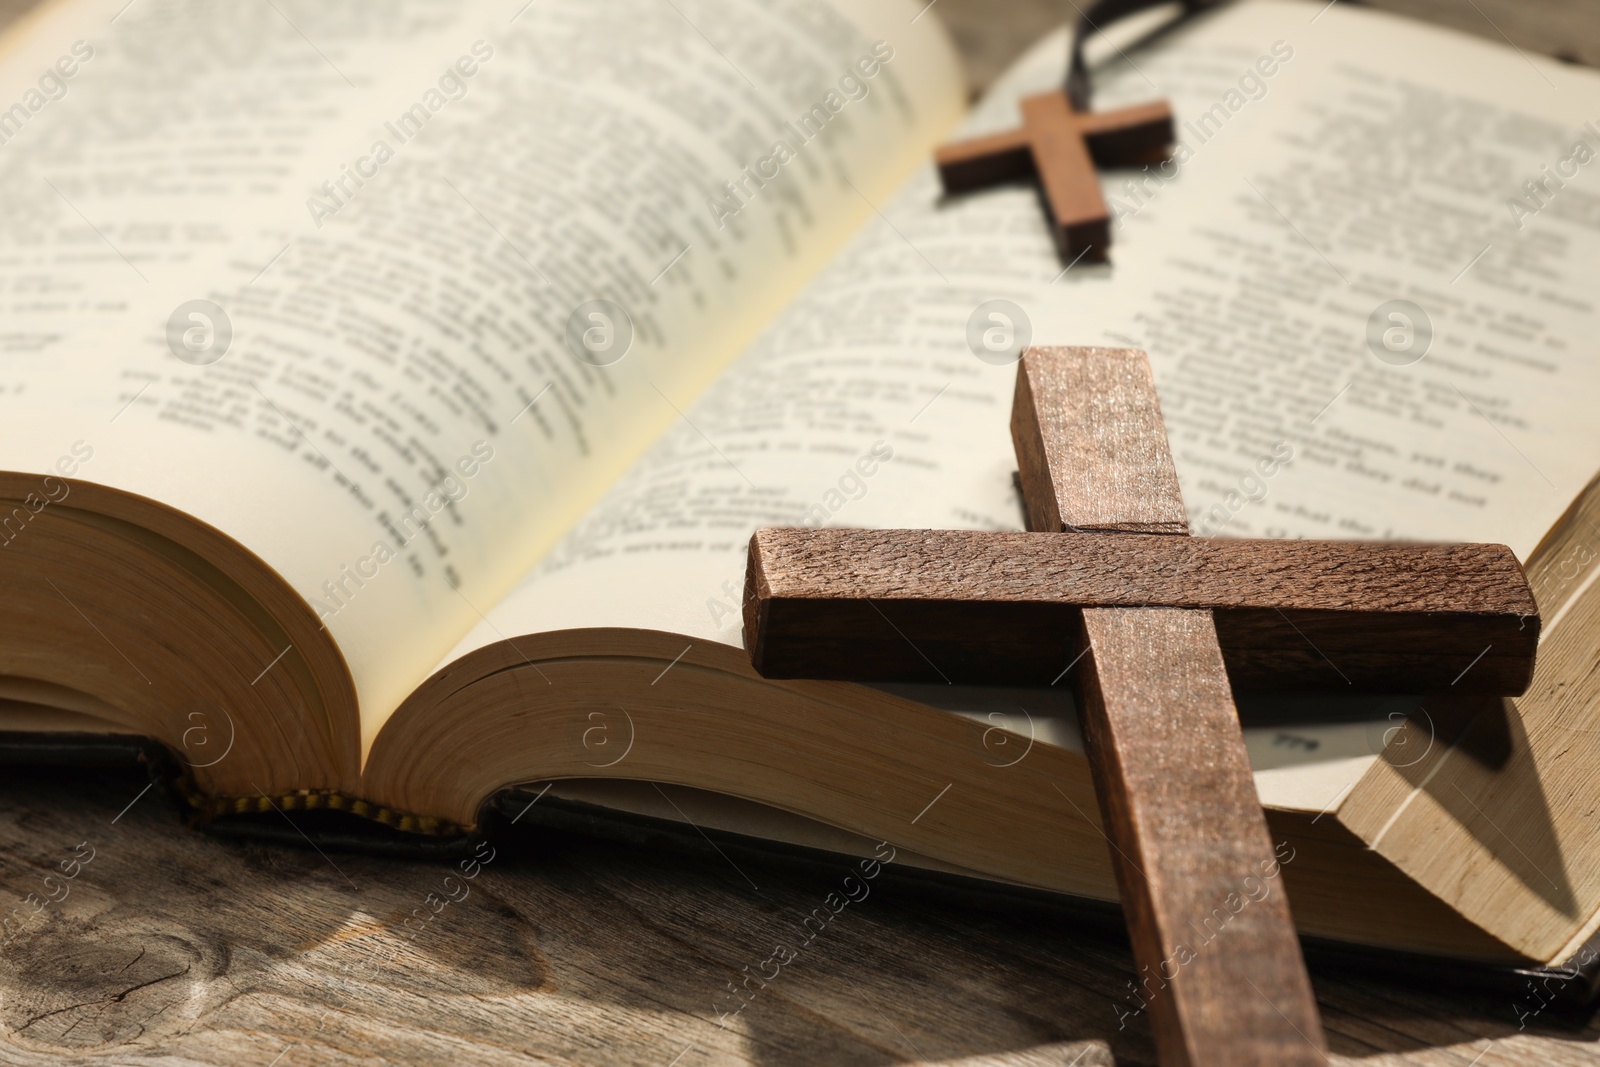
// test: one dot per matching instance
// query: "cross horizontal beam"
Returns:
(1113, 138)
(984, 607)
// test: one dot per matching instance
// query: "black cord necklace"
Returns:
(1094, 19)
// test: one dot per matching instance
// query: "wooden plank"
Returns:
(176, 948)
(1102, 455)
(1219, 962)
(971, 606)
(1171, 773)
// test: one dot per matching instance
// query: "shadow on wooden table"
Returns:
(171, 945)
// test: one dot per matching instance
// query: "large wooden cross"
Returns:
(1165, 620)
(1061, 146)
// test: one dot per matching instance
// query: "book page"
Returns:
(1311, 190)
(391, 293)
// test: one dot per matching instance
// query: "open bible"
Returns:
(390, 394)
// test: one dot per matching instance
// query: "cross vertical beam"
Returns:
(1218, 960)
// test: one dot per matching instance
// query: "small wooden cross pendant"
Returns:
(1062, 147)
(1161, 621)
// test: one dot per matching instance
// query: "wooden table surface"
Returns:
(176, 947)
(173, 947)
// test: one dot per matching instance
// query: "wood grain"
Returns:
(1062, 148)
(970, 606)
(1218, 959)
(1188, 838)
(176, 948)
(1117, 479)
